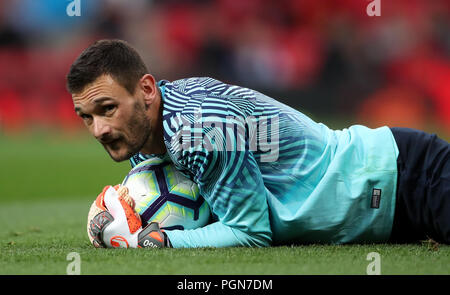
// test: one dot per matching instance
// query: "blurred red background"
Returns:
(327, 58)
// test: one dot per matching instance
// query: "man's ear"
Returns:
(147, 85)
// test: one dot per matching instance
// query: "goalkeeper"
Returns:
(270, 174)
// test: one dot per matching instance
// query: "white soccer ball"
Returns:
(163, 194)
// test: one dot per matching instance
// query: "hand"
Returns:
(115, 224)
(98, 218)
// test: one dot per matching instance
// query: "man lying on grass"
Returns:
(297, 181)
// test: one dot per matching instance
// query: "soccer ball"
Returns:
(163, 194)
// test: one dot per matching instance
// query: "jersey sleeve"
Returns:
(229, 179)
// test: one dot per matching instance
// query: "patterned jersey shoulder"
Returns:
(207, 95)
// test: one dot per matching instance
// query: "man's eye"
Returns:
(86, 118)
(109, 108)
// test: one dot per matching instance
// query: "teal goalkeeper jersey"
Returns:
(270, 174)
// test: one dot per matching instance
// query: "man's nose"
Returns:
(101, 129)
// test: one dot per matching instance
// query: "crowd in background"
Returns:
(325, 58)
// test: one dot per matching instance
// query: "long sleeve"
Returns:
(229, 179)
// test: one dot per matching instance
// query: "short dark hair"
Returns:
(111, 57)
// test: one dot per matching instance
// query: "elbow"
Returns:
(260, 239)
(253, 239)
(263, 241)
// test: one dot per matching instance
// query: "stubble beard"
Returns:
(139, 128)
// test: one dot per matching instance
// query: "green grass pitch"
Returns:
(47, 185)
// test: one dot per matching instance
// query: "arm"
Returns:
(230, 181)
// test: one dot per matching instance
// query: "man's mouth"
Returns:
(111, 143)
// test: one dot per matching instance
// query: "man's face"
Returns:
(116, 118)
